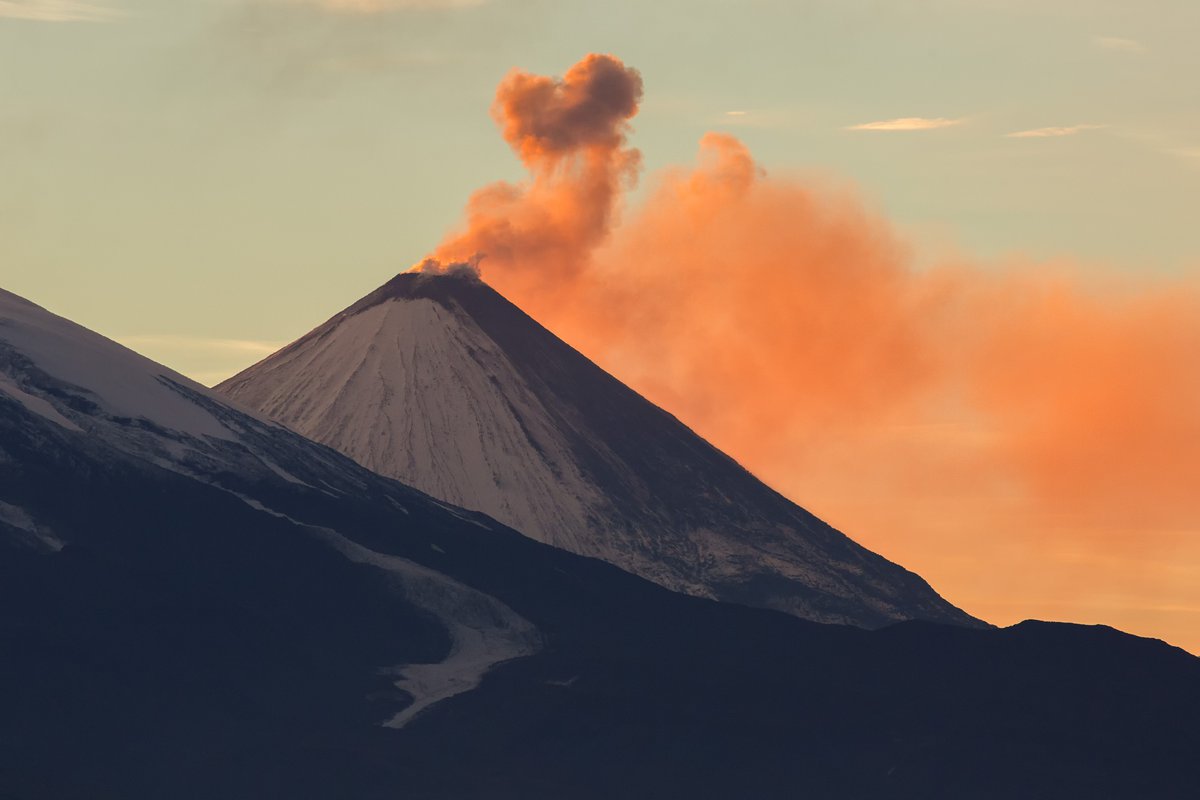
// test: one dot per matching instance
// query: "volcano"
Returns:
(198, 603)
(440, 382)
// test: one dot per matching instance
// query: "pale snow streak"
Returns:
(55, 10)
(907, 124)
(1044, 133)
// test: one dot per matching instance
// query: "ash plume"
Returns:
(570, 134)
(1035, 408)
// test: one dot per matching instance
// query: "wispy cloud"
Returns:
(379, 6)
(200, 344)
(1119, 44)
(767, 118)
(1189, 154)
(1167, 143)
(55, 10)
(907, 124)
(1045, 133)
(205, 359)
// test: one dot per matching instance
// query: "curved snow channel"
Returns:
(19, 518)
(484, 632)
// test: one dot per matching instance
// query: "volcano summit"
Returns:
(440, 382)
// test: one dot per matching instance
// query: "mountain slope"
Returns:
(438, 381)
(198, 604)
(123, 412)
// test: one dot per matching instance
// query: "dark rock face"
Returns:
(633, 485)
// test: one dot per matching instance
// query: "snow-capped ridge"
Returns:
(85, 392)
(97, 370)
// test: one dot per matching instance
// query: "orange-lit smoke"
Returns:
(570, 135)
(977, 422)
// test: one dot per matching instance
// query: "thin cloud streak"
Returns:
(764, 118)
(55, 11)
(907, 124)
(383, 6)
(1119, 44)
(201, 344)
(1044, 133)
(1191, 155)
(1166, 143)
(207, 360)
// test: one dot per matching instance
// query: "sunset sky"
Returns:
(937, 276)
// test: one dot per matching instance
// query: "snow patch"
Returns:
(281, 472)
(19, 518)
(35, 404)
(484, 632)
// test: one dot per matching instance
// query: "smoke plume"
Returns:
(1009, 430)
(570, 135)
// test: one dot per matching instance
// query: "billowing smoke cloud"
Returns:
(1009, 430)
(570, 135)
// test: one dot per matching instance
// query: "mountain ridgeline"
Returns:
(440, 382)
(197, 603)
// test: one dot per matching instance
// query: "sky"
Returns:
(205, 181)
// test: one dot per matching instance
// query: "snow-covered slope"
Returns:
(102, 377)
(125, 409)
(418, 392)
(438, 381)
